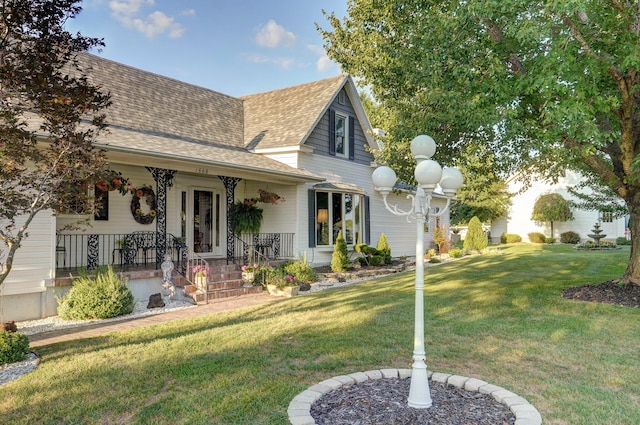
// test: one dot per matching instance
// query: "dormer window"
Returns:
(341, 135)
(342, 148)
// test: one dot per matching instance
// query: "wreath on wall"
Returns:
(144, 193)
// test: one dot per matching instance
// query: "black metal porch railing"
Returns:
(273, 246)
(122, 250)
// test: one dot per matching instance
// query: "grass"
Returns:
(499, 318)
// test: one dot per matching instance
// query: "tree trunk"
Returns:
(632, 274)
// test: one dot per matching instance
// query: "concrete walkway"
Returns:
(97, 329)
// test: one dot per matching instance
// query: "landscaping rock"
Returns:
(155, 301)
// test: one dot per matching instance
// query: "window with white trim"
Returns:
(339, 212)
(342, 147)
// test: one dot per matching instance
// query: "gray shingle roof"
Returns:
(285, 117)
(157, 115)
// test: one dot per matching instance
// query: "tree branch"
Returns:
(578, 36)
(600, 167)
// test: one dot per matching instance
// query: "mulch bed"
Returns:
(609, 292)
(384, 401)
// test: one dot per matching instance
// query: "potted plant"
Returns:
(249, 274)
(287, 286)
(200, 273)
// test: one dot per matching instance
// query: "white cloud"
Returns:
(282, 62)
(156, 23)
(128, 7)
(323, 64)
(188, 12)
(274, 35)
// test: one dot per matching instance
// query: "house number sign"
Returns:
(202, 170)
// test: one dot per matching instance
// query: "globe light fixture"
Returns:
(429, 174)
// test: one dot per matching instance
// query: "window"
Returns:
(341, 123)
(606, 216)
(341, 135)
(339, 212)
(102, 204)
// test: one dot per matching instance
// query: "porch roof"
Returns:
(129, 146)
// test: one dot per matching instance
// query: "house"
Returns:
(192, 153)
(518, 221)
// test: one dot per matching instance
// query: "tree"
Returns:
(476, 238)
(544, 86)
(49, 116)
(484, 194)
(551, 207)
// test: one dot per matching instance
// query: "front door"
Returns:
(206, 221)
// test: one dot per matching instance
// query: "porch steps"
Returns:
(224, 281)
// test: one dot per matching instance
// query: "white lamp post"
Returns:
(429, 174)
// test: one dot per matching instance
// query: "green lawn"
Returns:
(499, 318)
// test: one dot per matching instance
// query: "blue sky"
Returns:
(235, 47)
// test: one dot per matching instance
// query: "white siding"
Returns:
(519, 219)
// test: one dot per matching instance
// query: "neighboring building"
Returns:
(519, 222)
(195, 152)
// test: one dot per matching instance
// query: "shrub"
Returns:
(301, 270)
(622, 241)
(100, 297)
(14, 347)
(377, 260)
(340, 256)
(510, 238)
(475, 239)
(455, 252)
(383, 245)
(434, 260)
(550, 240)
(537, 237)
(570, 237)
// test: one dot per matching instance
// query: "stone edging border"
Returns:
(299, 410)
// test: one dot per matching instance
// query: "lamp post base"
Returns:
(419, 394)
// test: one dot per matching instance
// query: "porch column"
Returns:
(230, 184)
(164, 180)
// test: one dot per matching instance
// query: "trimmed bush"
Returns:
(570, 237)
(340, 256)
(537, 237)
(510, 238)
(101, 296)
(14, 347)
(476, 238)
(455, 253)
(550, 240)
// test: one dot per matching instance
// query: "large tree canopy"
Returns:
(49, 117)
(545, 86)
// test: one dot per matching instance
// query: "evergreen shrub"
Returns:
(384, 248)
(14, 347)
(101, 296)
(476, 238)
(340, 256)
(455, 253)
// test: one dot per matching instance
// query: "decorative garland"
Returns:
(150, 199)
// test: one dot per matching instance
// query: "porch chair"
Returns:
(145, 241)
